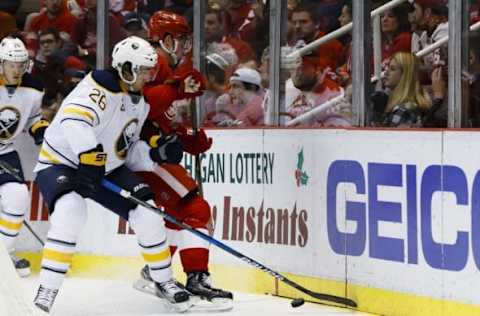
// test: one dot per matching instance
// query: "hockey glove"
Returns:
(194, 144)
(90, 172)
(190, 83)
(38, 130)
(166, 149)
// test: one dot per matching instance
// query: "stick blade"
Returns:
(332, 298)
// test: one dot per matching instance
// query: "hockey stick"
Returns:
(197, 167)
(321, 296)
(9, 169)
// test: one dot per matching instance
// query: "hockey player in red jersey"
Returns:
(174, 188)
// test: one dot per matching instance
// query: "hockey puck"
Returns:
(297, 302)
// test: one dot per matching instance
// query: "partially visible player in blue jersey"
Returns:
(20, 110)
(95, 134)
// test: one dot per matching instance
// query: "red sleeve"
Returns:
(160, 98)
(402, 43)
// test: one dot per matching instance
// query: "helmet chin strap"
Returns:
(129, 83)
(171, 52)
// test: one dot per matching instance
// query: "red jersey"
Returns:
(161, 93)
(63, 22)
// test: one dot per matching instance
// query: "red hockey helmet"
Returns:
(171, 32)
(162, 23)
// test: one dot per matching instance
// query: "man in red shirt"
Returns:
(305, 23)
(174, 188)
(55, 15)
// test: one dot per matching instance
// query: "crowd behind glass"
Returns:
(412, 91)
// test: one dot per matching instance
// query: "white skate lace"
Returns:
(206, 280)
(46, 296)
(170, 286)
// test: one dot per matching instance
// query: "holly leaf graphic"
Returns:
(304, 178)
(300, 160)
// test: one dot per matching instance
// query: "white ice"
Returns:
(94, 297)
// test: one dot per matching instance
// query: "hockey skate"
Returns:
(175, 295)
(45, 298)
(21, 265)
(172, 292)
(200, 285)
(204, 297)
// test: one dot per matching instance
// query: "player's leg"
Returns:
(177, 192)
(151, 235)
(194, 251)
(68, 215)
(14, 200)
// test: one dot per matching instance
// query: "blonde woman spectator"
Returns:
(407, 102)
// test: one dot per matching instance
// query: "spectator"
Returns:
(10, 6)
(305, 23)
(407, 101)
(85, 33)
(419, 34)
(119, 8)
(243, 103)
(344, 71)
(8, 24)
(215, 33)
(434, 22)
(135, 24)
(396, 31)
(217, 67)
(49, 41)
(316, 87)
(327, 11)
(55, 15)
(436, 19)
(243, 19)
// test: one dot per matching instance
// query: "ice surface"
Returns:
(95, 297)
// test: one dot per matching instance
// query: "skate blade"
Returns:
(196, 302)
(23, 272)
(148, 287)
(145, 286)
(215, 305)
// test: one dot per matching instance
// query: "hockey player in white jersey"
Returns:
(95, 134)
(20, 110)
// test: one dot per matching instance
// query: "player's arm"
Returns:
(143, 155)
(37, 130)
(77, 122)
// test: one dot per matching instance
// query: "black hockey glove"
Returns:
(38, 130)
(166, 149)
(90, 172)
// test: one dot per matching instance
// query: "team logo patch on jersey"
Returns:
(9, 120)
(62, 179)
(125, 140)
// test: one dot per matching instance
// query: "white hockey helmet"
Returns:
(136, 53)
(13, 49)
